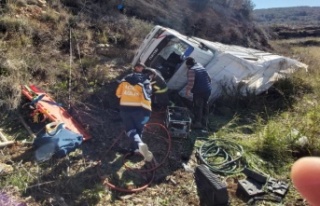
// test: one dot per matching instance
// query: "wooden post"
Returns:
(26, 126)
(8, 143)
(5, 141)
(3, 138)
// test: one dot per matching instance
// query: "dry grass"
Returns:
(11, 70)
(40, 38)
(36, 49)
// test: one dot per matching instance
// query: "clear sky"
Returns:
(263, 4)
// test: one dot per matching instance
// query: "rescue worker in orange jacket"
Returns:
(134, 92)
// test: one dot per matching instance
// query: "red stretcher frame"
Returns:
(53, 111)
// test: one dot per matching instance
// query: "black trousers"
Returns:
(161, 100)
(201, 107)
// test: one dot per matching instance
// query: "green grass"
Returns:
(277, 128)
(270, 126)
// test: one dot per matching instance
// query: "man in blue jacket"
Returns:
(199, 84)
(134, 92)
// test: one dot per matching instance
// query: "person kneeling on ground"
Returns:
(134, 92)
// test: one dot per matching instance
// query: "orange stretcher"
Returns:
(52, 110)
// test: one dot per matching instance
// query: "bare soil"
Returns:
(101, 172)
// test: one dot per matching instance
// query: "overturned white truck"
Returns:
(233, 69)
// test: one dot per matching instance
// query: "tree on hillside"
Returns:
(245, 7)
(199, 5)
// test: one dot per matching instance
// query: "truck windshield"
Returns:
(168, 56)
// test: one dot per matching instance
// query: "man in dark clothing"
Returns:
(134, 92)
(199, 84)
(160, 98)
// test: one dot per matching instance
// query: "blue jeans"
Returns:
(134, 120)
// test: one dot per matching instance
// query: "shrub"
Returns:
(13, 25)
(274, 144)
(13, 73)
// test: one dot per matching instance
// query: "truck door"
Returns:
(168, 55)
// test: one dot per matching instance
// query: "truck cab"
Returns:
(165, 49)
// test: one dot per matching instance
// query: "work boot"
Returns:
(144, 151)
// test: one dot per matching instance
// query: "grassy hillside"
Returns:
(291, 16)
(76, 50)
(292, 22)
(42, 40)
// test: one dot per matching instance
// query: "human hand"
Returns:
(305, 175)
(188, 93)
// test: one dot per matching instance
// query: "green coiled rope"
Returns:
(221, 156)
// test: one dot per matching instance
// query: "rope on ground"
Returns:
(155, 165)
(221, 156)
(107, 183)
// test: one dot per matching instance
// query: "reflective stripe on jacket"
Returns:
(137, 95)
